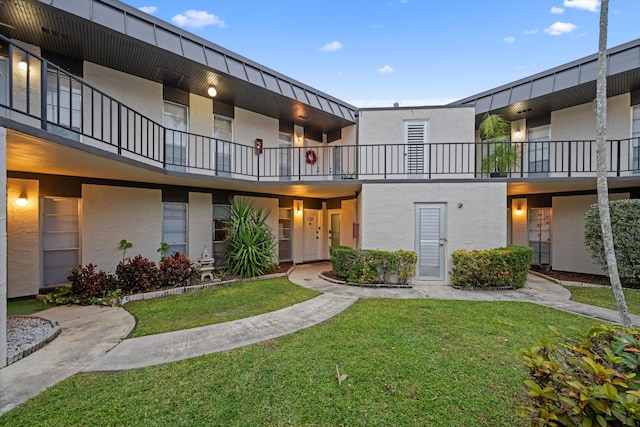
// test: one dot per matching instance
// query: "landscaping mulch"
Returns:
(566, 276)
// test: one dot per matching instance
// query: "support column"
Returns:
(3, 247)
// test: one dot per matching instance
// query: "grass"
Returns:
(214, 305)
(25, 307)
(603, 297)
(409, 362)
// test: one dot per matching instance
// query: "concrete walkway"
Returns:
(88, 333)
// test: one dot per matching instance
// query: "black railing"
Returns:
(64, 104)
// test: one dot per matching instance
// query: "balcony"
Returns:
(65, 105)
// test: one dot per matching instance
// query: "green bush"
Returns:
(626, 237)
(586, 381)
(406, 265)
(500, 267)
(372, 266)
(138, 274)
(250, 248)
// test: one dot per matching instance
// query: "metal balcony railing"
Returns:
(38, 93)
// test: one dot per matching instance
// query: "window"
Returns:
(540, 235)
(285, 143)
(223, 133)
(415, 137)
(220, 232)
(175, 120)
(174, 227)
(64, 101)
(60, 238)
(635, 139)
(538, 143)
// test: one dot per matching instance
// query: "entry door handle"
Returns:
(442, 241)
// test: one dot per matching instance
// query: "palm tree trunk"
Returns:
(601, 156)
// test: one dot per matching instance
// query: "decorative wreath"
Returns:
(312, 157)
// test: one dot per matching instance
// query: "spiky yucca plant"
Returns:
(250, 249)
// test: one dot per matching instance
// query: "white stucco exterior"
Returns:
(200, 224)
(579, 122)
(388, 221)
(568, 251)
(110, 214)
(3, 247)
(23, 239)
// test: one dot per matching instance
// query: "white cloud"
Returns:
(590, 5)
(557, 10)
(509, 39)
(531, 32)
(149, 9)
(197, 19)
(385, 70)
(332, 47)
(560, 28)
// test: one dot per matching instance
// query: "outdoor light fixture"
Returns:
(22, 65)
(517, 134)
(518, 210)
(22, 200)
(212, 91)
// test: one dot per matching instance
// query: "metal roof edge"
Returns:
(578, 62)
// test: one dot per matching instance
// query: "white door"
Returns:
(416, 134)
(311, 235)
(334, 228)
(430, 240)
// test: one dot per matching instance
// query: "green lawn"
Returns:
(409, 362)
(25, 307)
(603, 297)
(215, 305)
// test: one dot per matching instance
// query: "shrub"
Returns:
(626, 237)
(250, 248)
(88, 284)
(372, 266)
(586, 381)
(177, 269)
(406, 265)
(501, 267)
(137, 275)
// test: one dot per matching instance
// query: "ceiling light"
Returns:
(22, 65)
(212, 91)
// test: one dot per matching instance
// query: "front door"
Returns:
(311, 235)
(430, 240)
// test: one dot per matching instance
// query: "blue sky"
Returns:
(415, 52)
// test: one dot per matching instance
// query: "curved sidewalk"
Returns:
(178, 345)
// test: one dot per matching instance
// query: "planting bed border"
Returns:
(36, 345)
(362, 285)
(485, 288)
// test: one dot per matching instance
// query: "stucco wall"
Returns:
(385, 126)
(142, 95)
(200, 224)
(519, 224)
(579, 122)
(568, 252)
(200, 115)
(23, 239)
(111, 214)
(3, 247)
(388, 214)
(249, 125)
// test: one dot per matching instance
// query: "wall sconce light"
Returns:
(22, 200)
(299, 210)
(518, 210)
(517, 134)
(212, 91)
(23, 65)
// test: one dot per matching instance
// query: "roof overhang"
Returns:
(561, 87)
(118, 36)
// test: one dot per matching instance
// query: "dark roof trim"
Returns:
(138, 25)
(423, 107)
(620, 59)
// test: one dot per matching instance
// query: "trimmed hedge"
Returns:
(372, 266)
(590, 380)
(500, 267)
(626, 238)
